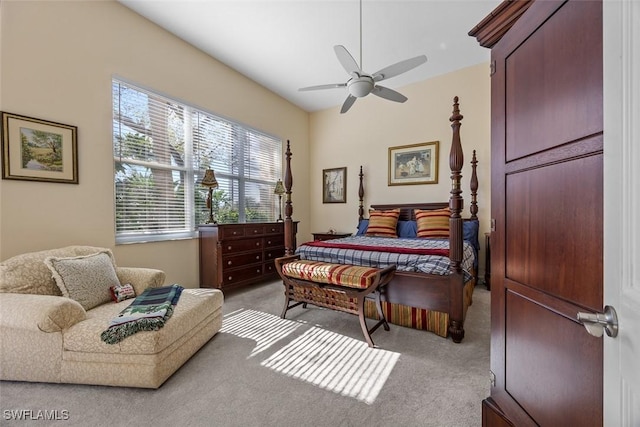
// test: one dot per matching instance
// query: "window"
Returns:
(161, 149)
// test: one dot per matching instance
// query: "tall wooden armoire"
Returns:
(546, 209)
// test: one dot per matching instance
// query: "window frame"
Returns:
(193, 168)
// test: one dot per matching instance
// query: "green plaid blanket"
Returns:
(149, 311)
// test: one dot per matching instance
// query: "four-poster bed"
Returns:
(419, 295)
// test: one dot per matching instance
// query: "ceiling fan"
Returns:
(361, 84)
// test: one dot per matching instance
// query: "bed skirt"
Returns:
(418, 318)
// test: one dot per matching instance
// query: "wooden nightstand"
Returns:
(328, 236)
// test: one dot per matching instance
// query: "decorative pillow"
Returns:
(470, 232)
(85, 279)
(122, 292)
(383, 223)
(362, 227)
(433, 223)
(407, 229)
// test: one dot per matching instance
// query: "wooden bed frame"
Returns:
(445, 294)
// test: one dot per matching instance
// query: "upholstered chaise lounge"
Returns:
(46, 337)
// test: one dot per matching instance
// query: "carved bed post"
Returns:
(474, 186)
(289, 235)
(361, 198)
(456, 160)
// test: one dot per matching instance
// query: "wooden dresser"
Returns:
(234, 255)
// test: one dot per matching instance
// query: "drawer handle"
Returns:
(258, 270)
(273, 229)
(257, 256)
(255, 231)
(257, 243)
(230, 278)
(228, 262)
(228, 247)
(269, 242)
(269, 254)
(235, 232)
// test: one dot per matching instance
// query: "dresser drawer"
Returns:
(273, 241)
(273, 253)
(270, 268)
(231, 277)
(274, 228)
(232, 246)
(231, 231)
(231, 261)
(253, 230)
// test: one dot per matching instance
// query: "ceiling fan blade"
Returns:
(347, 104)
(399, 68)
(345, 58)
(329, 86)
(390, 94)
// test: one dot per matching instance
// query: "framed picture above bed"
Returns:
(414, 164)
(334, 185)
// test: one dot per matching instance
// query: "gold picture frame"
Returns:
(334, 185)
(414, 164)
(38, 150)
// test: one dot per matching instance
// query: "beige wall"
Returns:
(57, 60)
(363, 135)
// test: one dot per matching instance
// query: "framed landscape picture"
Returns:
(38, 150)
(334, 185)
(414, 164)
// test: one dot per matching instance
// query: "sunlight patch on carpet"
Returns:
(264, 328)
(336, 363)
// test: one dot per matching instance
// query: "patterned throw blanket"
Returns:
(149, 311)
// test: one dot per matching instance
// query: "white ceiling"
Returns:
(286, 45)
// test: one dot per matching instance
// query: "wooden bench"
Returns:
(336, 286)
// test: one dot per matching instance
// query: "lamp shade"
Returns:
(279, 190)
(209, 179)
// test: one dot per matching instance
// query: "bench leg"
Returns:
(363, 322)
(287, 302)
(385, 325)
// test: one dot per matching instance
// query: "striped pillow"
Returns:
(433, 223)
(383, 223)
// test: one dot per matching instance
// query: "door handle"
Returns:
(597, 323)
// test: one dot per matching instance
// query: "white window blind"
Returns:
(161, 150)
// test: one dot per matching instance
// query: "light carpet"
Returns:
(311, 369)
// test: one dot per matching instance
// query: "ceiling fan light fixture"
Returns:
(360, 87)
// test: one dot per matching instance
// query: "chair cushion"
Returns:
(193, 307)
(85, 279)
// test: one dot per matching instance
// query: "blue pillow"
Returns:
(470, 233)
(407, 229)
(362, 227)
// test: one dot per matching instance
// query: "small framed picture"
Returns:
(414, 164)
(334, 185)
(38, 150)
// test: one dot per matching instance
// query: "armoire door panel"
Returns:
(552, 86)
(554, 229)
(549, 365)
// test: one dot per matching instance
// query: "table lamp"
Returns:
(209, 180)
(279, 190)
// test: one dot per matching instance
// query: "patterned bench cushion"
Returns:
(351, 276)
